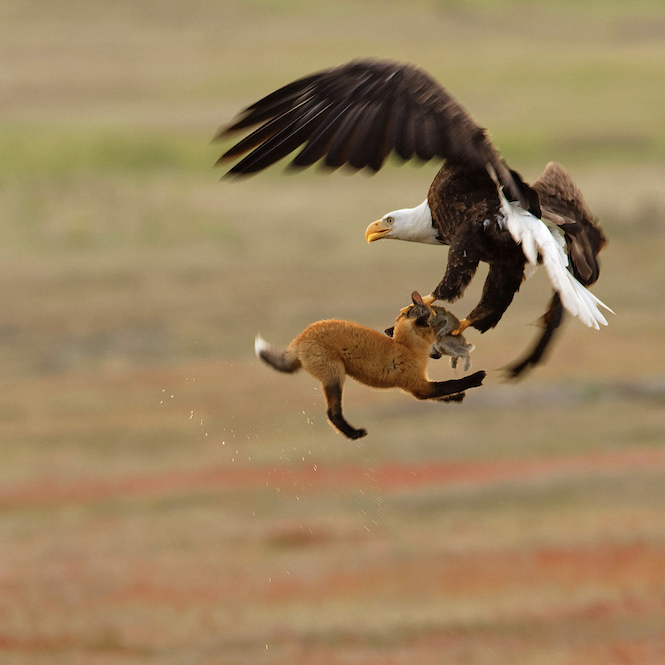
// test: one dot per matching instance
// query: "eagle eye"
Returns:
(389, 219)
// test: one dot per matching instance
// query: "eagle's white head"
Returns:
(413, 224)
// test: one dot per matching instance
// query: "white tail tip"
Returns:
(260, 345)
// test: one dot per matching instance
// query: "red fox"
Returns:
(329, 350)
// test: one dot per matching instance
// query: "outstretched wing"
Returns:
(562, 203)
(357, 114)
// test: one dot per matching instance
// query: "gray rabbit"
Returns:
(445, 344)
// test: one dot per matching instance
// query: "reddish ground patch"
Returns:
(388, 477)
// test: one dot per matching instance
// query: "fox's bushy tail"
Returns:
(283, 360)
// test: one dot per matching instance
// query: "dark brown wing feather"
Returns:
(549, 324)
(357, 114)
(561, 202)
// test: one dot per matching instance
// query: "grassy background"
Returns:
(165, 499)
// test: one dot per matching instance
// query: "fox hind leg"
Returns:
(328, 369)
(333, 393)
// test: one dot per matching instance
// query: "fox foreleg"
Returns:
(440, 390)
(456, 397)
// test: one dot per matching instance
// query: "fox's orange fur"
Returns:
(330, 350)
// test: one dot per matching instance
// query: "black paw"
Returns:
(476, 379)
(435, 354)
(358, 434)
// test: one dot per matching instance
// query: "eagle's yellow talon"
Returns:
(463, 325)
(428, 300)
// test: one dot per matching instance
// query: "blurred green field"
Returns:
(166, 499)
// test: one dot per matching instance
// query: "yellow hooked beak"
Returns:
(376, 230)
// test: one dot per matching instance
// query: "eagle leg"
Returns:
(428, 300)
(502, 283)
(463, 325)
(459, 272)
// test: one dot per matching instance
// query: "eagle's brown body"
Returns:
(331, 350)
(465, 210)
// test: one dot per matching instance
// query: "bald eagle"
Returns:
(360, 112)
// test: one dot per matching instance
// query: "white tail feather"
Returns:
(536, 238)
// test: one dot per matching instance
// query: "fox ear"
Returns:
(417, 300)
(390, 331)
